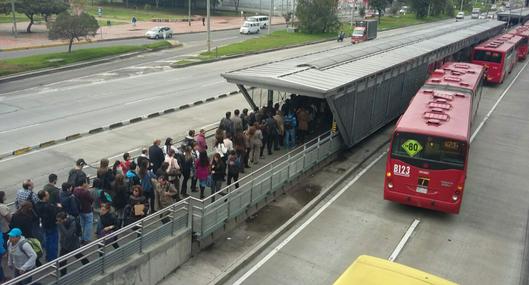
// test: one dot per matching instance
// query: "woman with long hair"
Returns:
(105, 174)
(187, 169)
(218, 171)
(202, 171)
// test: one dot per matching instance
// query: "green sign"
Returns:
(412, 147)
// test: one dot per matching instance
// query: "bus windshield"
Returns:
(428, 151)
(358, 32)
(485, 55)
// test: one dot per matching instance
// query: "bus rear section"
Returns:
(426, 171)
(498, 57)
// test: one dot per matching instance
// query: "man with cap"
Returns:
(21, 256)
(77, 177)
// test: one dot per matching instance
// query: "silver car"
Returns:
(159, 33)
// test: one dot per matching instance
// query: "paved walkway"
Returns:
(39, 36)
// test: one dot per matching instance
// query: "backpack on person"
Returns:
(146, 182)
(35, 245)
(76, 177)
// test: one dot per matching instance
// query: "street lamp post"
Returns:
(271, 15)
(14, 18)
(209, 31)
(189, 13)
(461, 9)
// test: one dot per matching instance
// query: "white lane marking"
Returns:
(20, 128)
(142, 100)
(312, 218)
(306, 223)
(497, 103)
(404, 240)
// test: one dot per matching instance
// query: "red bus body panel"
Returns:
(496, 72)
(523, 48)
(455, 84)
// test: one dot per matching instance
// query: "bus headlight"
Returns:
(455, 197)
(390, 185)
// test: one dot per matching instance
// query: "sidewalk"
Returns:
(39, 35)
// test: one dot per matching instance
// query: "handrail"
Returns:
(176, 212)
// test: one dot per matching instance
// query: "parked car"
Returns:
(159, 32)
(250, 28)
(460, 15)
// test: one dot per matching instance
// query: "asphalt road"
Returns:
(77, 101)
(217, 36)
(484, 244)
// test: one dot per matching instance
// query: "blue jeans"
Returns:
(290, 138)
(51, 243)
(87, 221)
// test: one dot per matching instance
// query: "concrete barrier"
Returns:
(153, 265)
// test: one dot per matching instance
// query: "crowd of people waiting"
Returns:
(131, 188)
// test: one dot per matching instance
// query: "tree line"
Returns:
(71, 22)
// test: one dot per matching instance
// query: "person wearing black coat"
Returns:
(156, 155)
(25, 219)
(47, 213)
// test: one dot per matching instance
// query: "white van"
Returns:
(250, 28)
(262, 20)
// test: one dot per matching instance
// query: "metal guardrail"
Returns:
(229, 202)
(203, 217)
(102, 253)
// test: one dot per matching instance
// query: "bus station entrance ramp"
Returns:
(368, 85)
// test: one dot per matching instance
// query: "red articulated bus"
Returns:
(428, 156)
(498, 56)
(523, 47)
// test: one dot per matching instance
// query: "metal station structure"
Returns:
(514, 16)
(368, 85)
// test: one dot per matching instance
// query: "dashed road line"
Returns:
(404, 240)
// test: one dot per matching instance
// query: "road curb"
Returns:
(38, 72)
(245, 259)
(112, 126)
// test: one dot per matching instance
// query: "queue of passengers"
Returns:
(131, 189)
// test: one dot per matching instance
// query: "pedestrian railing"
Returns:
(203, 217)
(211, 213)
(97, 257)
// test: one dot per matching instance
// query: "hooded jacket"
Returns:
(21, 255)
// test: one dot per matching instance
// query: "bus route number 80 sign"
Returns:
(412, 147)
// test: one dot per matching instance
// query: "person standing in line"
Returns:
(125, 164)
(156, 155)
(244, 119)
(202, 171)
(201, 140)
(105, 174)
(21, 256)
(108, 223)
(86, 213)
(52, 189)
(190, 138)
(164, 193)
(218, 172)
(195, 153)
(69, 240)
(187, 169)
(138, 206)
(5, 217)
(143, 159)
(146, 177)
(290, 129)
(256, 141)
(120, 195)
(226, 123)
(303, 123)
(26, 220)
(237, 122)
(278, 118)
(47, 213)
(25, 194)
(76, 176)
(2, 252)
(234, 166)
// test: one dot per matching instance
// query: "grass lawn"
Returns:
(120, 13)
(282, 38)
(276, 40)
(34, 62)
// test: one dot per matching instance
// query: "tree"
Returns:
(31, 8)
(317, 16)
(72, 27)
(379, 5)
(420, 7)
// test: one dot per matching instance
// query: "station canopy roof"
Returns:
(321, 73)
